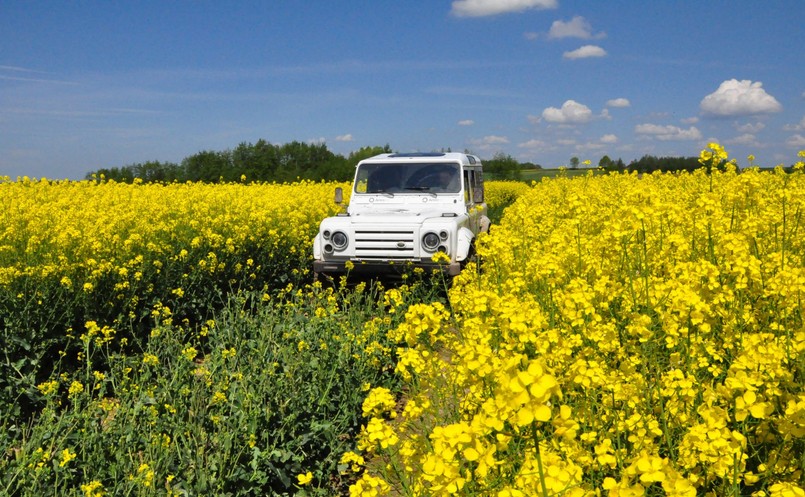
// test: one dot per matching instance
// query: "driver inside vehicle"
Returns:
(447, 180)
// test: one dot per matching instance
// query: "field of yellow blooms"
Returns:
(112, 253)
(625, 336)
(150, 335)
(620, 336)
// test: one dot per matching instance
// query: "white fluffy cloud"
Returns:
(571, 112)
(480, 8)
(344, 138)
(495, 140)
(585, 52)
(795, 127)
(739, 98)
(667, 133)
(619, 102)
(796, 141)
(532, 144)
(578, 27)
(746, 139)
(489, 142)
(466, 122)
(609, 139)
(750, 127)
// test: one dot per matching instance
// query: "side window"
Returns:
(477, 183)
(468, 182)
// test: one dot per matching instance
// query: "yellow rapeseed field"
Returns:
(88, 228)
(622, 336)
(626, 336)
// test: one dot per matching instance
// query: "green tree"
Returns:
(650, 163)
(208, 166)
(502, 166)
(366, 152)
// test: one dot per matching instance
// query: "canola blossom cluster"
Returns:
(625, 335)
(503, 193)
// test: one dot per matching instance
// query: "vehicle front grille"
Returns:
(384, 244)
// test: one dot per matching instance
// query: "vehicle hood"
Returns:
(397, 216)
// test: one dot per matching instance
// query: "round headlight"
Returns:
(340, 240)
(430, 241)
(443, 235)
(326, 234)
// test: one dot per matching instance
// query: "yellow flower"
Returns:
(66, 456)
(150, 359)
(144, 476)
(440, 257)
(189, 353)
(217, 398)
(379, 401)
(76, 387)
(304, 478)
(48, 387)
(786, 490)
(92, 489)
(355, 461)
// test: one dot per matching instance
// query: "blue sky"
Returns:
(85, 85)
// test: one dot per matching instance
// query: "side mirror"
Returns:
(478, 195)
(339, 195)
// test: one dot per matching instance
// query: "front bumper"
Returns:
(382, 268)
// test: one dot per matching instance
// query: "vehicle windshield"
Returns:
(426, 177)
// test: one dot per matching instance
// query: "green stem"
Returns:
(535, 435)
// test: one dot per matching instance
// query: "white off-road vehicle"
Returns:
(403, 210)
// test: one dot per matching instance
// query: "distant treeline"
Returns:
(263, 161)
(649, 164)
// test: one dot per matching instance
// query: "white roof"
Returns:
(427, 156)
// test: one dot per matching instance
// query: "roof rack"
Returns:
(418, 154)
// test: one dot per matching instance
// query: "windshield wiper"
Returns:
(425, 189)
